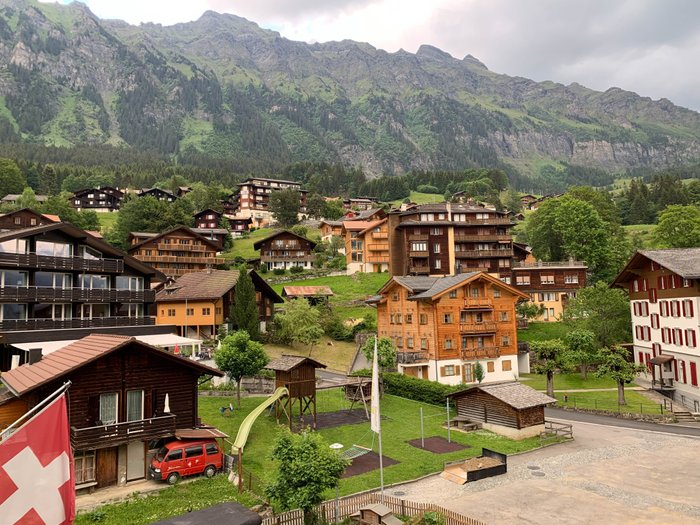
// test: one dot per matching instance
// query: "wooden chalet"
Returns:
(26, 218)
(298, 375)
(239, 225)
(285, 249)
(510, 408)
(314, 294)
(107, 199)
(125, 396)
(158, 194)
(207, 219)
(12, 198)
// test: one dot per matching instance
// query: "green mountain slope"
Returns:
(224, 88)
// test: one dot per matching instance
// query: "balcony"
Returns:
(485, 352)
(378, 247)
(11, 325)
(478, 302)
(417, 237)
(471, 254)
(460, 237)
(380, 235)
(34, 294)
(46, 262)
(120, 433)
(174, 247)
(282, 258)
(161, 259)
(408, 357)
(416, 253)
(477, 328)
(420, 270)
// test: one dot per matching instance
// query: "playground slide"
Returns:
(247, 423)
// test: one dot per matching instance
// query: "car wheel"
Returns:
(210, 471)
(173, 477)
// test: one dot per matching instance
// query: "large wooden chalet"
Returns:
(285, 249)
(125, 396)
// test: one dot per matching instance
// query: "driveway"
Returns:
(606, 475)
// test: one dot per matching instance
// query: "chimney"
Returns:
(34, 355)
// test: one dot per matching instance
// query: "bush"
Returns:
(296, 269)
(421, 390)
(263, 269)
(334, 327)
(427, 188)
(279, 271)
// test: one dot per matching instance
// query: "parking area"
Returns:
(606, 475)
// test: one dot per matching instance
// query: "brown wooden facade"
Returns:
(208, 219)
(285, 249)
(176, 252)
(25, 218)
(366, 246)
(105, 199)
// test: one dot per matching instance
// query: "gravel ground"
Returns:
(606, 475)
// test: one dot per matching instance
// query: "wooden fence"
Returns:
(351, 504)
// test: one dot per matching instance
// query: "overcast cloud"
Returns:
(648, 46)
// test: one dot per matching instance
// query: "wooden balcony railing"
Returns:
(380, 235)
(377, 259)
(104, 436)
(417, 253)
(477, 328)
(162, 259)
(174, 247)
(485, 352)
(461, 237)
(478, 302)
(462, 254)
(270, 258)
(419, 269)
(10, 325)
(46, 262)
(378, 247)
(417, 237)
(407, 357)
(36, 294)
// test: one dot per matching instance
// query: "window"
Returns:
(438, 264)
(548, 296)
(190, 311)
(409, 318)
(84, 466)
(52, 280)
(688, 308)
(409, 342)
(448, 344)
(399, 342)
(436, 248)
(468, 372)
(125, 282)
(505, 340)
(435, 231)
(18, 220)
(496, 293)
(424, 344)
(94, 282)
(522, 280)
(547, 279)
(108, 408)
(448, 370)
(89, 253)
(54, 249)
(211, 449)
(171, 312)
(453, 294)
(57, 312)
(206, 311)
(490, 366)
(395, 297)
(571, 279)
(218, 310)
(14, 312)
(447, 318)
(423, 319)
(687, 283)
(13, 279)
(14, 246)
(134, 405)
(419, 246)
(129, 310)
(635, 285)
(504, 316)
(175, 455)
(505, 280)
(506, 366)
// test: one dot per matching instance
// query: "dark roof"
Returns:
(681, 261)
(87, 238)
(455, 207)
(364, 214)
(332, 223)
(229, 513)
(205, 231)
(250, 179)
(286, 363)
(26, 378)
(423, 287)
(145, 191)
(442, 284)
(307, 291)
(199, 286)
(172, 230)
(512, 393)
(15, 196)
(256, 246)
(208, 210)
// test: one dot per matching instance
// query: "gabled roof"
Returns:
(681, 261)
(423, 287)
(359, 225)
(376, 224)
(26, 378)
(307, 291)
(513, 393)
(47, 216)
(286, 363)
(14, 196)
(256, 246)
(208, 210)
(332, 223)
(85, 237)
(199, 286)
(172, 230)
(363, 215)
(455, 207)
(146, 191)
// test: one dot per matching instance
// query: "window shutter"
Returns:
(675, 369)
(458, 370)
(93, 412)
(691, 313)
(442, 371)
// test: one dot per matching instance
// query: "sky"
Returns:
(651, 47)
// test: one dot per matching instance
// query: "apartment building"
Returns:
(447, 238)
(285, 249)
(443, 326)
(175, 252)
(252, 199)
(550, 284)
(664, 287)
(366, 245)
(57, 282)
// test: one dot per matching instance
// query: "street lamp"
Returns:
(337, 447)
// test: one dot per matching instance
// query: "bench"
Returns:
(88, 485)
(464, 423)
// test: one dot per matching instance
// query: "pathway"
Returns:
(690, 429)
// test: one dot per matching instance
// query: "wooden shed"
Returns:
(298, 375)
(508, 408)
(376, 514)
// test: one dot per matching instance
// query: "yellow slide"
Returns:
(247, 423)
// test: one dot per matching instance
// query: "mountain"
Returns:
(222, 87)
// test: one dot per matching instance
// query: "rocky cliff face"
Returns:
(224, 87)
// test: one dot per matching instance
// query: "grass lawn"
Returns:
(336, 357)
(347, 289)
(607, 400)
(107, 221)
(402, 423)
(421, 198)
(543, 331)
(568, 381)
(643, 234)
(244, 246)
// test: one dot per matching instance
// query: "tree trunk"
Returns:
(584, 371)
(621, 393)
(550, 384)
(238, 391)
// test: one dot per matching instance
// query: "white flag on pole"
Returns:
(375, 417)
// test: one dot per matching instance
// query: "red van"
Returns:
(177, 459)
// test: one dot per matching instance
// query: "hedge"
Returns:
(413, 388)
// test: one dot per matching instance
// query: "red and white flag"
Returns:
(36, 470)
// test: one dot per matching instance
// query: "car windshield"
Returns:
(162, 452)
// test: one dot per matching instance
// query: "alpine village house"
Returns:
(284, 250)
(120, 409)
(664, 287)
(442, 326)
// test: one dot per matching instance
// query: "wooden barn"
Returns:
(298, 375)
(509, 408)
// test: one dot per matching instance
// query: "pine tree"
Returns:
(244, 312)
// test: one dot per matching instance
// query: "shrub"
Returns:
(263, 269)
(296, 269)
(427, 188)
(422, 390)
(279, 271)
(334, 327)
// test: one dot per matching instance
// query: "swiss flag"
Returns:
(36, 470)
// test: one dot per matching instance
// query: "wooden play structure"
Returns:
(298, 375)
(490, 463)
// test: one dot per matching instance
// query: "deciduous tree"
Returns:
(582, 348)
(300, 323)
(240, 356)
(550, 357)
(615, 363)
(11, 178)
(679, 227)
(284, 206)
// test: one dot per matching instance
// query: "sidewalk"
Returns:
(88, 502)
(638, 388)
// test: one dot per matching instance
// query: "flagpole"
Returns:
(40, 406)
(376, 415)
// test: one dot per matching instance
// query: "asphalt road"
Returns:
(584, 417)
